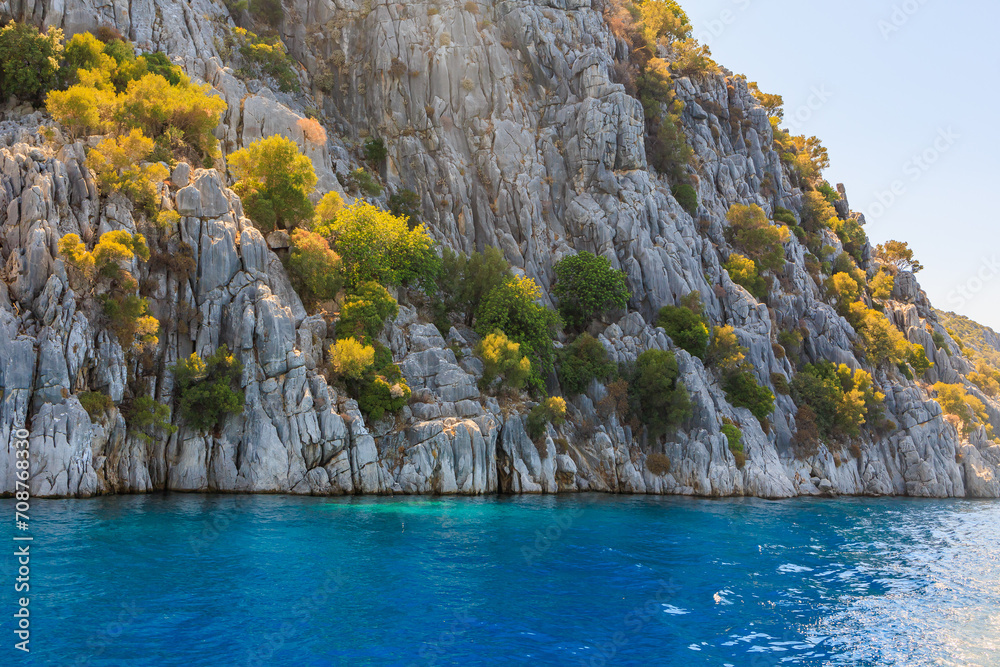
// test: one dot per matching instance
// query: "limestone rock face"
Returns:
(510, 126)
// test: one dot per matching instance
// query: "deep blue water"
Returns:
(593, 580)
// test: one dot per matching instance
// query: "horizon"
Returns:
(899, 107)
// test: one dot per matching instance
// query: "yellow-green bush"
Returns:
(883, 343)
(97, 404)
(759, 239)
(743, 271)
(207, 390)
(377, 245)
(351, 359)
(513, 308)
(365, 311)
(502, 358)
(550, 411)
(115, 91)
(29, 61)
(882, 285)
(840, 400)
(262, 56)
(274, 180)
(955, 400)
(581, 361)
(148, 419)
(117, 166)
(313, 267)
(658, 396)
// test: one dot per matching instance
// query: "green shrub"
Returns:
(587, 288)
(785, 216)
(465, 281)
(375, 245)
(581, 361)
(828, 192)
(899, 255)
(734, 436)
(351, 359)
(259, 57)
(275, 180)
(96, 403)
(780, 383)
(686, 328)
(917, 359)
(693, 59)
(791, 340)
(375, 151)
(313, 267)
(687, 197)
(147, 418)
(761, 241)
(29, 61)
(725, 352)
(550, 411)
(816, 212)
(361, 180)
(940, 342)
(382, 395)
(365, 312)
(660, 398)
(513, 309)
(207, 390)
(158, 63)
(882, 285)
(667, 149)
(502, 358)
(116, 163)
(883, 343)
(840, 400)
(406, 204)
(743, 391)
(129, 319)
(267, 11)
(743, 271)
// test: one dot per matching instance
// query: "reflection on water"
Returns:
(589, 580)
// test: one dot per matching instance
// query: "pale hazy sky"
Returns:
(905, 96)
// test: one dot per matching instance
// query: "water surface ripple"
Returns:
(591, 580)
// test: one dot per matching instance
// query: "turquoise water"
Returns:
(594, 580)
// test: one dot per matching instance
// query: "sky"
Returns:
(904, 95)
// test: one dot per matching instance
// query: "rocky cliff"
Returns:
(506, 120)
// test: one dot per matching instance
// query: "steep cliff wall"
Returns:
(508, 124)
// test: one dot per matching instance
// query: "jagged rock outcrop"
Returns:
(508, 124)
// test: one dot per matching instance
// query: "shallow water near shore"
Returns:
(585, 580)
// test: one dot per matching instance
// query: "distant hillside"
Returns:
(972, 336)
